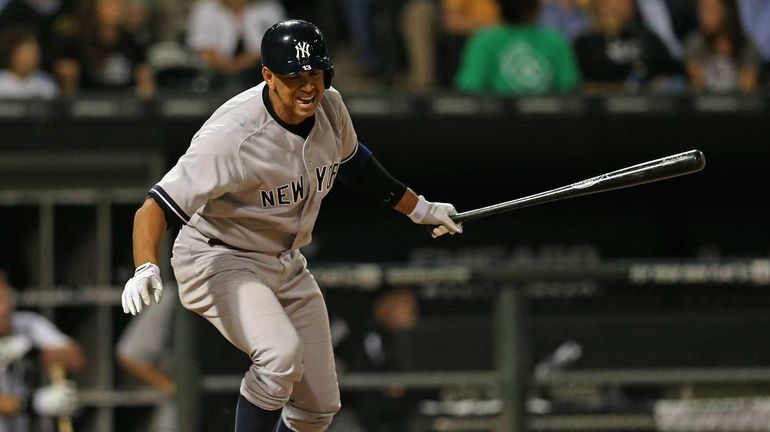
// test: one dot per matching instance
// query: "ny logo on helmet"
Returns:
(303, 50)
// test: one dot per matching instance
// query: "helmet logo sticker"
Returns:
(303, 50)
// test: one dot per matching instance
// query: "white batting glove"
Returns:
(56, 400)
(146, 281)
(436, 213)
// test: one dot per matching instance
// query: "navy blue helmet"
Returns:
(295, 46)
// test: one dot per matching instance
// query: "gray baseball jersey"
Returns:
(249, 182)
(256, 187)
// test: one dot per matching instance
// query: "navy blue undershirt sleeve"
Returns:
(364, 173)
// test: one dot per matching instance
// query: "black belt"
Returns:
(217, 242)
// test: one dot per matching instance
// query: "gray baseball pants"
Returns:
(272, 309)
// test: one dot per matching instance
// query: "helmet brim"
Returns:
(304, 65)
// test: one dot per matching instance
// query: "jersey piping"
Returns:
(165, 201)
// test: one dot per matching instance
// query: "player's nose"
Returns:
(306, 79)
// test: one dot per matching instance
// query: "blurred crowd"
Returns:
(52, 48)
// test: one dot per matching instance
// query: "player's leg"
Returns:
(247, 313)
(226, 290)
(316, 396)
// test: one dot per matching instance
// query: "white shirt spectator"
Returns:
(214, 26)
(35, 331)
(37, 85)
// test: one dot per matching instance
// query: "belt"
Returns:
(217, 242)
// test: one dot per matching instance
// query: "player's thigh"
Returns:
(246, 312)
(305, 306)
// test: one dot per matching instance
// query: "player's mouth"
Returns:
(305, 102)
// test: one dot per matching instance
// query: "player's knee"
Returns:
(316, 420)
(274, 371)
(284, 358)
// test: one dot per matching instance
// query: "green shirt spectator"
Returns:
(518, 59)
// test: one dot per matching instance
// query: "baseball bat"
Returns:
(647, 172)
(56, 373)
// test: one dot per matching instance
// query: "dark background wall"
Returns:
(471, 152)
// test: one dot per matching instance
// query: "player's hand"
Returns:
(146, 281)
(436, 213)
(56, 400)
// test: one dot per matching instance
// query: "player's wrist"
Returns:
(421, 209)
(147, 267)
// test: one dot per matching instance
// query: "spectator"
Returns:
(670, 20)
(395, 310)
(521, 57)
(569, 17)
(21, 332)
(459, 20)
(720, 58)
(619, 50)
(755, 16)
(106, 56)
(21, 77)
(145, 351)
(418, 19)
(360, 17)
(55, 22)
(227, 35)
(171, 19)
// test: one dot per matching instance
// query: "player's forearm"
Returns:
(407, 202)
(149, 229)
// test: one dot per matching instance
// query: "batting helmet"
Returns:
(295, 46)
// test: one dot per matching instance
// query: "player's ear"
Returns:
(269, 77)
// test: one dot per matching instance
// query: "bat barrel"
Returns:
(655, 170)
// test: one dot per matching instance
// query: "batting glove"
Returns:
(430, 213)
(56, 400)
(146, 280)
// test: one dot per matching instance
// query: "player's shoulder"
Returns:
(237, 118)
(333, 95)
(333, 100)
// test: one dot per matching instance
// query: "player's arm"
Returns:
(363, 172)
(149, 229)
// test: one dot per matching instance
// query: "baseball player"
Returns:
(247, 193)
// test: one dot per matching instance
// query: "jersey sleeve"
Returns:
(348, 134)
(210, 168)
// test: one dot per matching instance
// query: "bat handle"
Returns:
(57, 375)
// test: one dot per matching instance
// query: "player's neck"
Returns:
(302, 128)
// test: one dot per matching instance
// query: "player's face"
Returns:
(295, 97)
